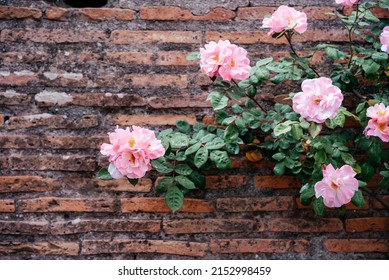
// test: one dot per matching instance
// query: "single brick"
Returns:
(61, 204)
(24, 227)
(174, 58)
(68, 79)
(9, 12)
(21, 78)
(27, 184)
(41, 248)
(243, 163)
(151, 204)
(276, 182)
(7, 205)
(11, 97)
(356, 245)
(129, 58)
(370, 224)
(69, 142)
(233, 246)
(20, 141)
(208, 226)
(153, 120)
(155, 36)
(179, 101)
(379, 205)
(118, 185)
(142, 81)
(98, 14)
(223, 182)
(98, 225)
(183, 248)
(275, 203)
(302, 225)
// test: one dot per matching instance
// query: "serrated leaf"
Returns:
(104, 174)
(201, 157)
(183, 169)
(264, 61)
(296, 132)
(174, 198)
(198, 179)
(183, 126)
(307, 196)
(193, 149)
(279, 168)
(215, 144)
(358, 199)
(318, 206)
(162, 166)
(164, 184)
(279, 156)
(282, 128)
(207, 138)
(262, 73)
(232, 148)
(185, 182)
(314, 129)
(218, 100)
(231, 134)
(179, 140)
(221, 159)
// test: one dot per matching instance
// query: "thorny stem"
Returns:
(375, 196)
(288, 36)
(252, 98)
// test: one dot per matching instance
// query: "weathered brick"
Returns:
(52, 162)
(11, 97)
(99, 225)
(61, 204)
(183, 248)
(42, 248)
(151, 204)
(153, 120)
(155, 36)
(24, 227)
(20, 141)
(55, 79)
(68, 142)
(178, 14)
(9, 12)
(370, 224)
(274, 203)
(349, 206)
(23, 57)
(174, 58)
(7, 205)
(57, 13)
(27, 184)
(98, 14)
(52, 121)
(276, 182)
(379, 205)
(22, 78)
(179, 101)
(223, 182)
(208, 225)
(142, 81)
(243, 163)
(58, 36)
(233, 246)
(302, 225)
(118, 185)
(356, 245)
(129, 58)
(378, 12)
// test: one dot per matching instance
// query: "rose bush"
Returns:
(307, 140)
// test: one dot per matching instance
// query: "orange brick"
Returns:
(370, 224)
(274, 203)
(356, 245)
(223, 182)
(27, 184)
(20, 141)
(155, 36)
(22, 78)
(142, 81)
(57, 13)
(7, 205)
(302, 225)
(68, 142)
(61, 204)
(41, 248)
(2, 120)
(233, 246)
(8, 12)
(276, 182)
(153, 120)
(24, 227)
(179, 101)
(183, 248)
(117, 185)
(11, 97)
(90, 14)
(151, 204)
(174, 58)
(129, 58)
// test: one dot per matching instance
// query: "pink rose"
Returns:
(319, 100)
(286, 18)
(130, 151)
(378, 125)
(347, 3)
(225, 60)
(338, 185)
(384, 39)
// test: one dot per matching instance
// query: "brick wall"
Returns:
(68, 76)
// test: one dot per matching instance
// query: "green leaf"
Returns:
(162, 166)
(358, 199)
(164, 184)
(198, 126)
(183, 126)
(264, 61)
(215, 144)
(360, 107)
(179, 140)
(368, 171)
(279, 156)
(296, 131)
(339, 119)
(348, 158)
(279, 168)
(174, 198)
(133, 181)
(180, 156)
(282, 128)
(370, 67)
(318, 206)
(193, 56)
(307, 195)
(370, 17)
(314, 129)
(193, 149)
(278, 78)
(207, 138)
(198, 179)
(232, 148)
(379, 56)
(375, 152)
(201, 157)
(104, 174)
(263, 73)
(218, 101)
(221, 159)
(231, 134)
(237, 109)
(220, 116)
(183, 169)
(185, 182)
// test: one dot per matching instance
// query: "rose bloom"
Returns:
(319, 100)
(384, 39)
(338, 185)
(130, 151)
(378, 125)
(286, 17)
(347, 3)
(212, 57)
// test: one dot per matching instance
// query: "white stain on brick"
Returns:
(50, 75)
(108, 94)
(60, 98)
(9, 93)
(24, 73)
(73, 76)
(38, 116)
(5, 73)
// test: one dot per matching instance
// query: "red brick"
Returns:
(179, 101)
(276, 182)
(61, 204)
(151, 204)
(99, 225)
(90, 14)
(275, 203)
(233, 246)
(223, 182)
(20, 141)
(142, 81)
(52, 162)
(302, 225)
(155, 36)
(379, 205)
(178, 14)
(370, 224)
(24, 227)
(2, 120)
(52, 121)
(243, 163)
(27, 184)
(301, 246)
(23, 57)
(129, 58)
(317, 58)
(57, 13)
(378, 12)
(153, 120)
(11, 97)
(7, 205)
(208, 226)
(61, 248)
(356, 245)
(183, 248)
(22, 78)
(68, 142)
(174, 58)
(58, 36)
(117, 185)
(349, 206)
(8, 12)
